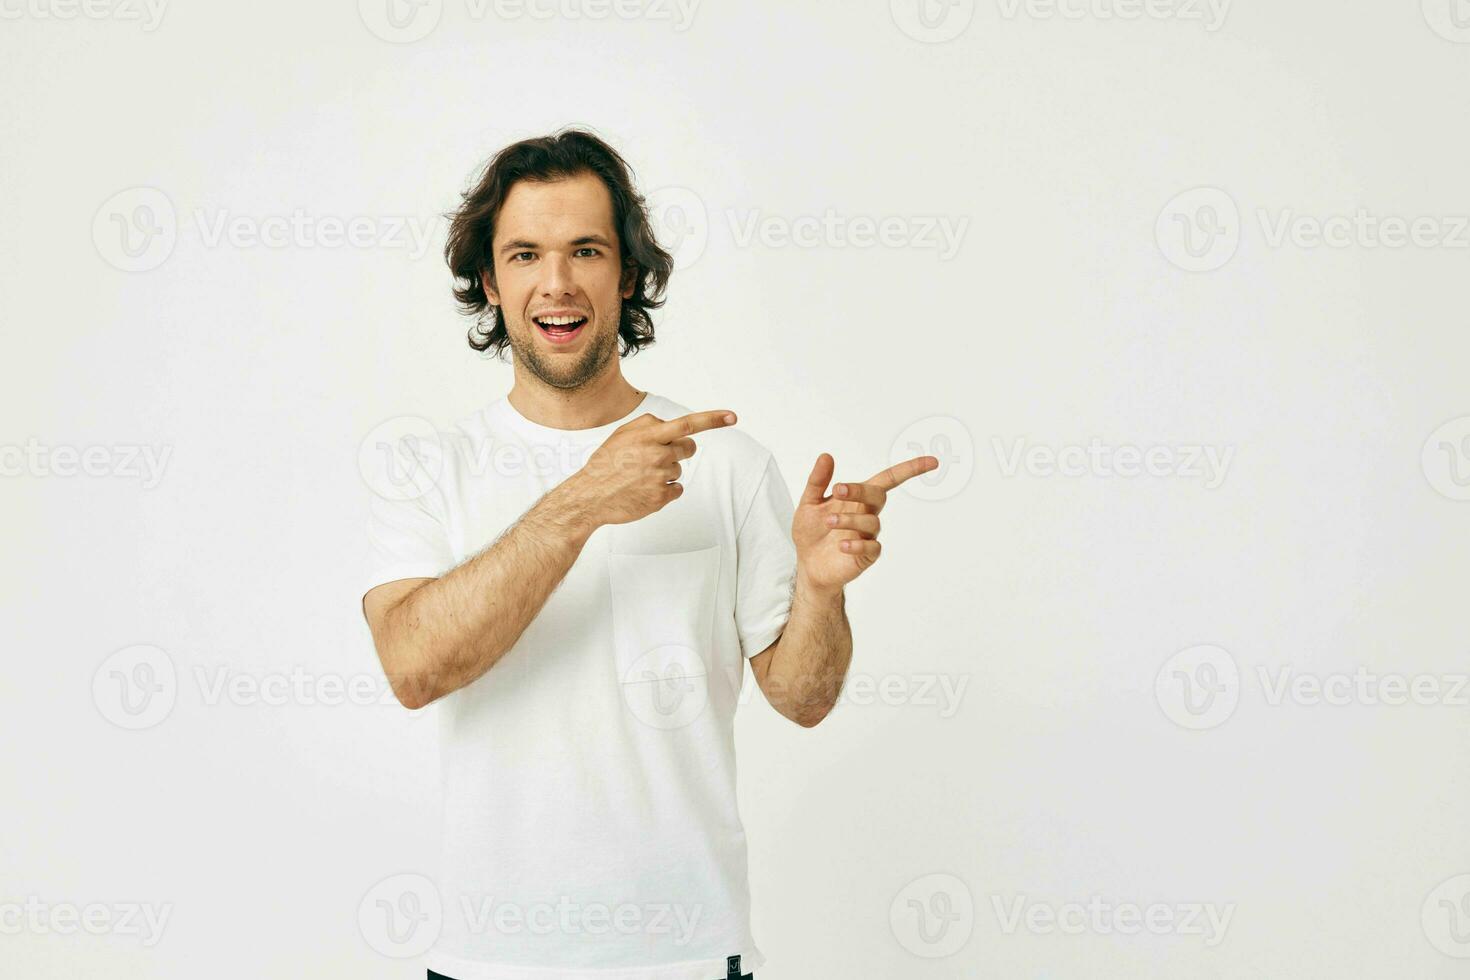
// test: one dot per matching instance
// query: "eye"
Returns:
(518, 255)
(588, 248)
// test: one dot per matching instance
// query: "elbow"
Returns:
(410, 697)
(811, 717)
(808, 708)
(413, 690)
(412, 686)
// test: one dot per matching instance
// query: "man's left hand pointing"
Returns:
(836, 536)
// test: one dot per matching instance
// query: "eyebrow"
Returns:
(521, 243)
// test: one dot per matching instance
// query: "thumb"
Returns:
(816, 484)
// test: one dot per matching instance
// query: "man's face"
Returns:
(555, 251)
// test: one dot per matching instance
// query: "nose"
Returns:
(556, 279)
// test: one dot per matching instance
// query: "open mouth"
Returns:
(560, 329)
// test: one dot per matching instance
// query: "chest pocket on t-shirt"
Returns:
(663, 617)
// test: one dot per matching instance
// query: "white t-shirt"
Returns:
(590, 823)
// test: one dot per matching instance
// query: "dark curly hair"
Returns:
(568, 153)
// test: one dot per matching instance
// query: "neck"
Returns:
(598, 402)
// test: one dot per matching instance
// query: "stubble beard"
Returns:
(600, 349)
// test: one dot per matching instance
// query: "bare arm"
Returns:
(802, 672)
(836, 540)
(436, 635)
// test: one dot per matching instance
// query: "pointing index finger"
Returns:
(907, 470)
(688, 425)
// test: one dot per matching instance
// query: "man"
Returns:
(587, 663)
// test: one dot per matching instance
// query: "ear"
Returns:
(487, 283)
(630, 280)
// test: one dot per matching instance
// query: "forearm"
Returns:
(453, 629)
(810, 660)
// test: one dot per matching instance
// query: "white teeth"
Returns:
(558, 321)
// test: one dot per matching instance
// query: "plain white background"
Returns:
(1136, 726)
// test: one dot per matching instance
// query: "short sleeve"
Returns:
(765, 564)
(406, 539)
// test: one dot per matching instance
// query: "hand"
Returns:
(634, 472)
(836, 537)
